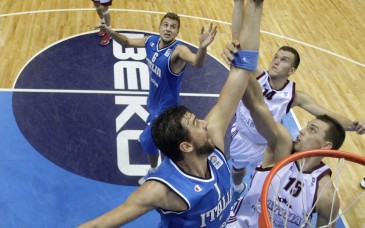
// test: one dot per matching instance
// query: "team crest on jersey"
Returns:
(89, 107)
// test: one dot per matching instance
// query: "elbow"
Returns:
(199, 63)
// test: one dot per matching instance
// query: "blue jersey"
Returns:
(164, 84)
(208, 200)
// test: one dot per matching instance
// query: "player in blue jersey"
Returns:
(166, 59)
(192, 185)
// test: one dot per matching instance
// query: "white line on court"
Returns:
(194, 17)
(116, 92)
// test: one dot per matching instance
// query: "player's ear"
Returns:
(292, 71)
(327, 145)
(186, 147)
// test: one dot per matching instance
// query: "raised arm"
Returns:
(279, 140)
(220, 116)
(307, 103)
(237, 26)
(122, 39)
(183, 53)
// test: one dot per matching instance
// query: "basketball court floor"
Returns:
(71, 111)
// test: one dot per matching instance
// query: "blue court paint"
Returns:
(37, 193)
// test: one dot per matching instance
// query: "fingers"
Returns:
(102, 26)
(202, 30)
(236, 43)
(232, 47)
(212, 29)
(210, 26)
(214, 32)
(227, 53)
(359, 127)
(225, 57)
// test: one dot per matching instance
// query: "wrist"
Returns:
(108, 30)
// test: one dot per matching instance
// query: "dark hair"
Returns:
(295, 53)
(168, 132)
(335, 133)
(172, 16)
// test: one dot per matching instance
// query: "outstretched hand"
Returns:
(231, 48)
(359, 127)
(206, 38)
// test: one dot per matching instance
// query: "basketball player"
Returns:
(247, 146)
(296, 186)
(102, 9)
(192, 186)
(167, 59)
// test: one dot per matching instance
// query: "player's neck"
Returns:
(310, 163)
(278, 83)
(195, 166)
(164, 44)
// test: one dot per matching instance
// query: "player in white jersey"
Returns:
(323, 132)
(247, 146)
(290, 211)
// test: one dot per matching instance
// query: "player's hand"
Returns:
(206, 38)
(359, 127)
(104, 28)
(231, 48)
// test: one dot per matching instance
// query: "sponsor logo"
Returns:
(197, 188)
(217, 162)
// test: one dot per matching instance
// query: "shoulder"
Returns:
(301, 97)
(151, 38)
(161, 196)
(179, 48)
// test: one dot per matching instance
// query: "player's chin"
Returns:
(167, 39)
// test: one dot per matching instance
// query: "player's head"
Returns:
(323, 132)
(172, 16)
(296, 60)
(177, 131)
(285, 62)
(169, 27)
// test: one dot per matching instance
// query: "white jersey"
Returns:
(248, 145)
(278, 101)
(292, 193)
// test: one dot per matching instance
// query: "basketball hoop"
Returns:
(264, 219)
